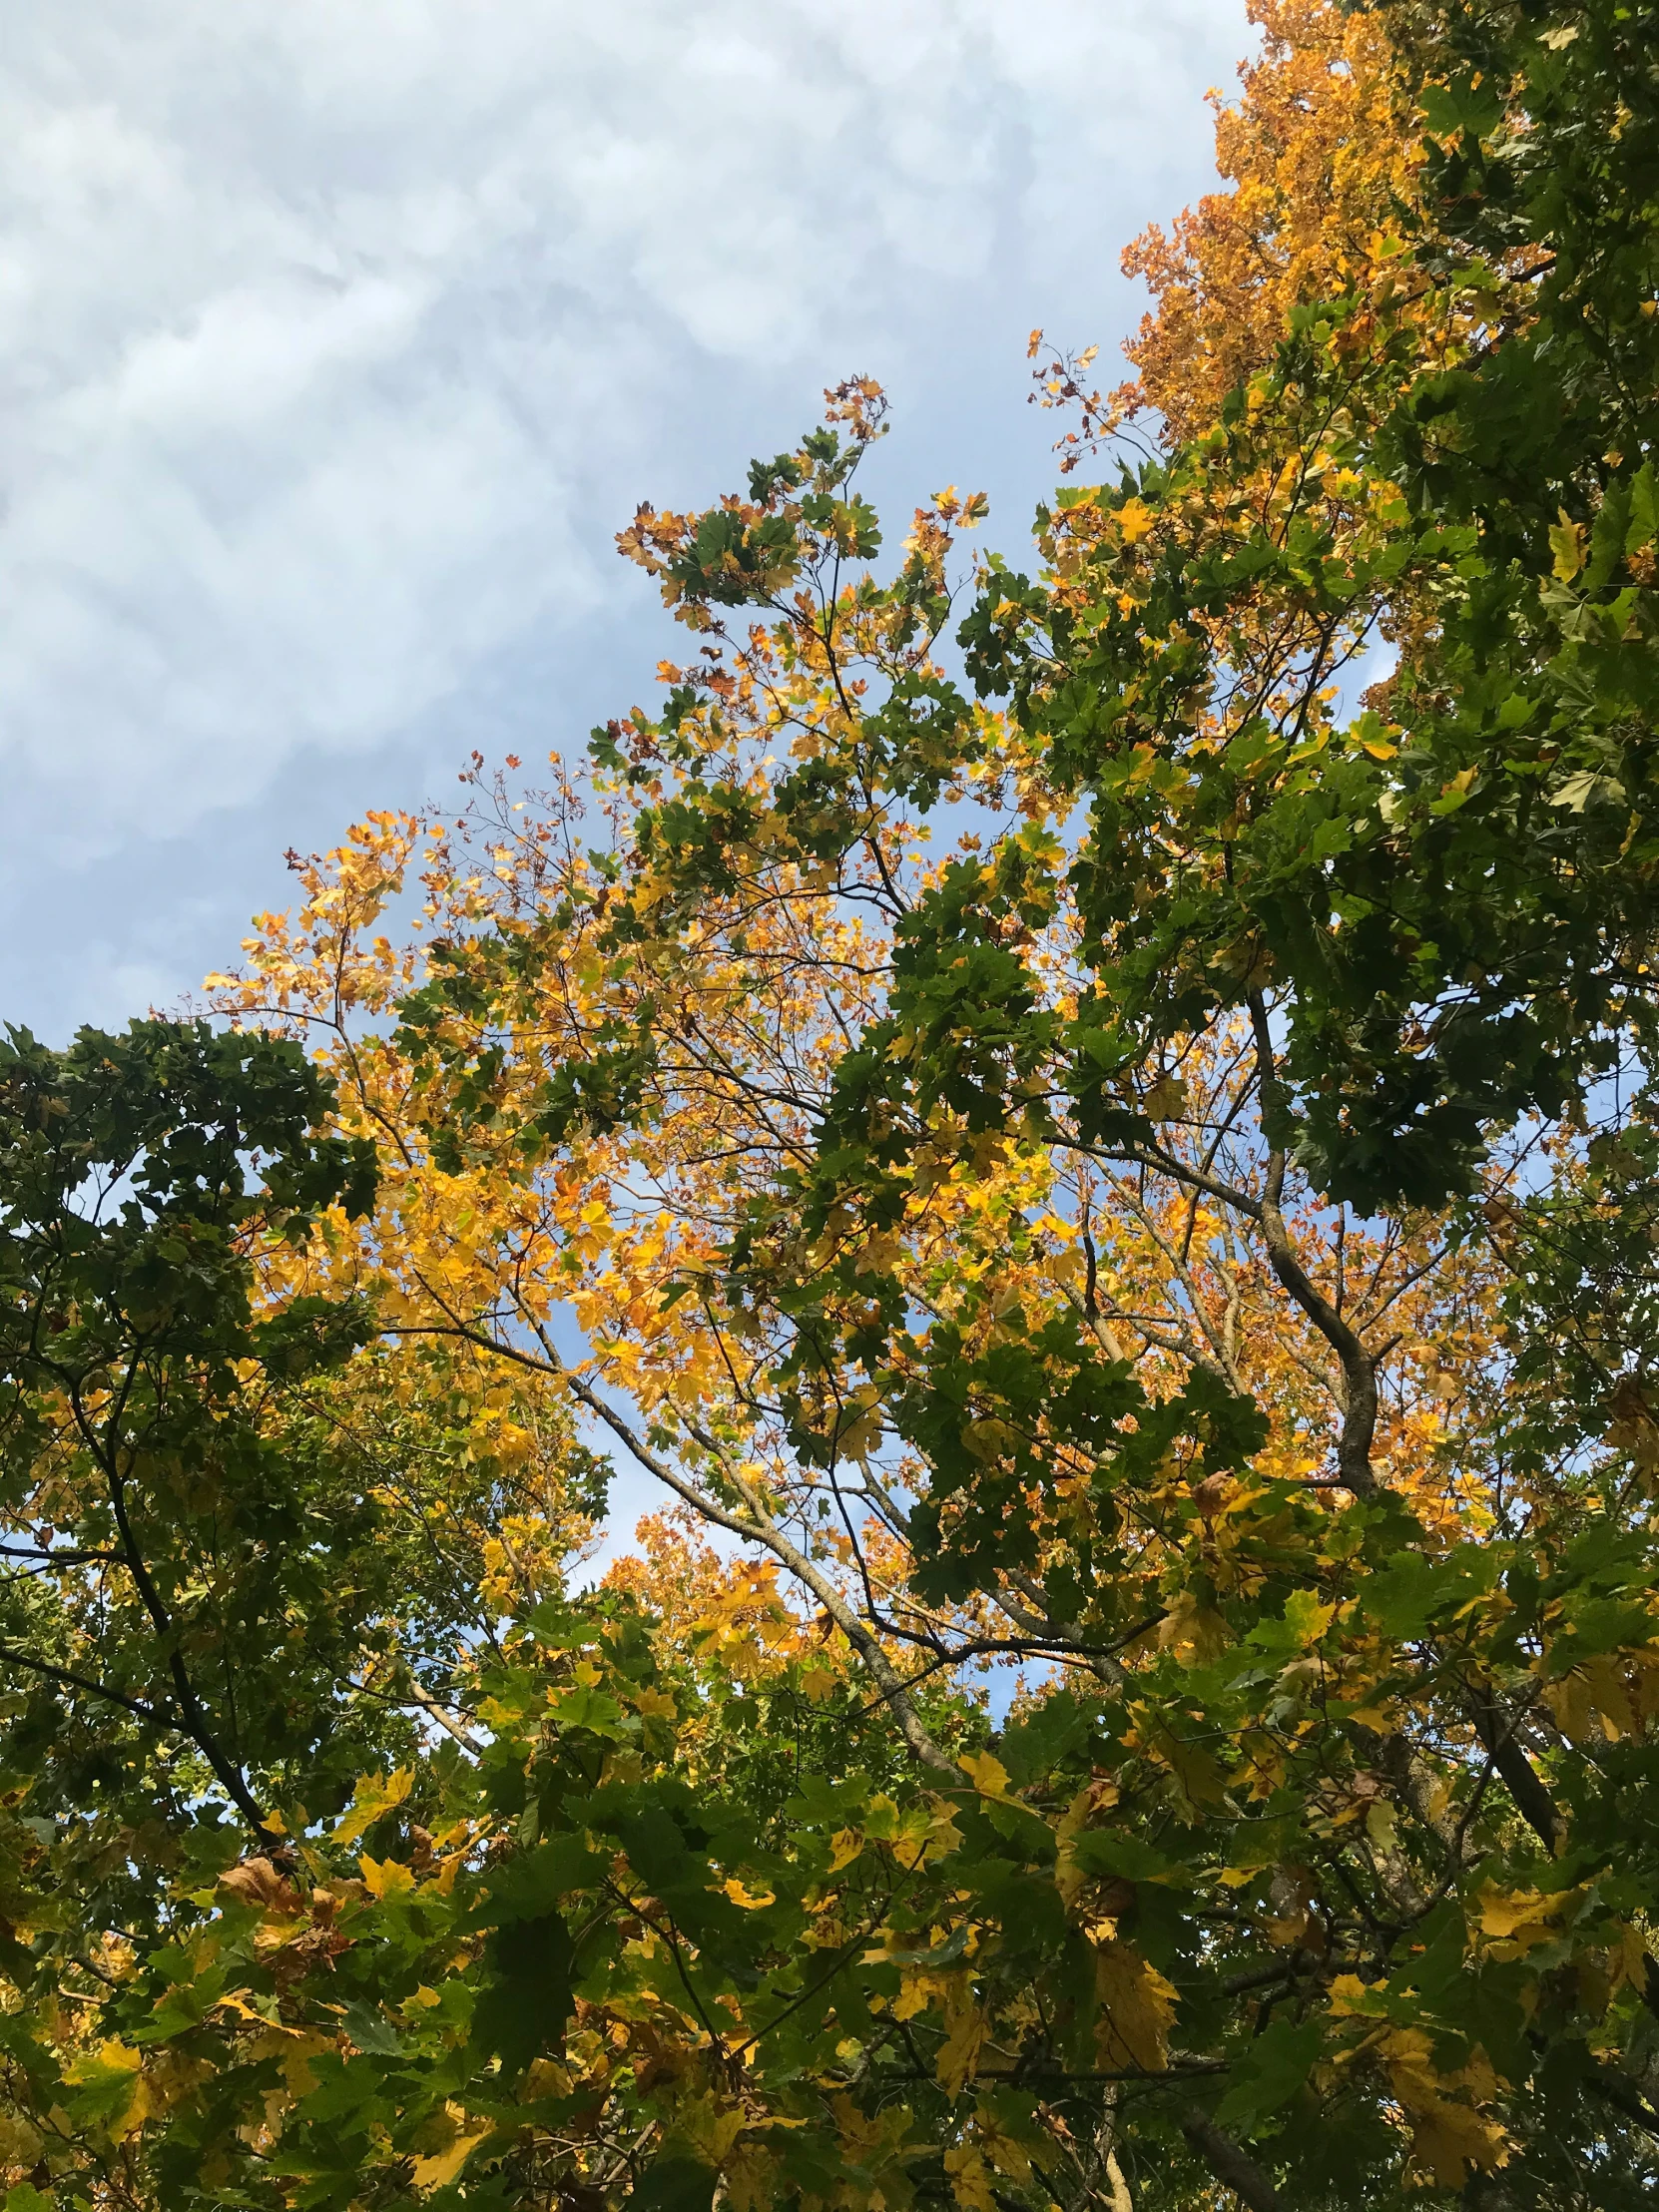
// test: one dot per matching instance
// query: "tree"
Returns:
(1185, 1232)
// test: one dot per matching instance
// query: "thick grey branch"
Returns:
(1520, 1778)
(1228, 2161)
(446, 1720)
(1359, 1368)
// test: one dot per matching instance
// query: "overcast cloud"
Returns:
(339, 337)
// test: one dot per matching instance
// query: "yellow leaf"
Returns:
(386, 1876)
(1566, 540)
(1503, 1915)
(927, 1831)
(709, 2125)
(293, 2049)
(965, 2030)
(1380, 1825)
(1137, 2006)
(1570, 1707)
(988, 1439)
(107, 2065)
(1373, 1717)
(101, 2063)
(845, 1847)
(917, 1995)
(1350, 1994)
(1193, 1630)
(1135, 520)
(1309, 1618)
(752, 2179)
(1198, 1777)
(987, 1772)
(376, 1794)
(1630, 1958)
(971, 2179)
(1448, 2138)
(736, 1891)
(20, 2145)
(1610, 1697)
(1069, 1879)
(434, 2173)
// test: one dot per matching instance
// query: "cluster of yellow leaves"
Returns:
(1449, 2131)
(1317, 149)
(1606, 1698)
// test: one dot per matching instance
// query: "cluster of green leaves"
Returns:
(233, 1562)
(1454, 895)
(605, 1959)
(159, 1537)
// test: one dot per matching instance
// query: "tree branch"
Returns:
(1359, 1368)
(446, 1720)
(1517, 1773)
(67, 1675)
(193, 1719)
(1228, 2161)
(757, 1528)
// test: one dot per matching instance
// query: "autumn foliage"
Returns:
(1091, 1136)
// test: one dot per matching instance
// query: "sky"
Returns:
(337, 343)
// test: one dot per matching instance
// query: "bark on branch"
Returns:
(1519, 1777)
(191, 1716)
(1230, 2162)
(755, 1526)
(1359, 1368)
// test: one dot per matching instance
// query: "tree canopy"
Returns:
(1094, 1129)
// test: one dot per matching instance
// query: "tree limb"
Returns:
(757, 1528)
(192, 1715)
(66, 1675)
(1517, 1773)
(1357, 1365)
(1228, 2161)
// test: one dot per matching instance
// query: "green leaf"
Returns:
(1402, 1598)
(1304, 1622)
(1272, 2069)
(590, 1709)
(1109, 1850)
(522, 2009)
(529, 1884)
(675, 2184)
(1461, 106)
(370, 2030)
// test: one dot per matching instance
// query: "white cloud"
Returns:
(338, 340)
